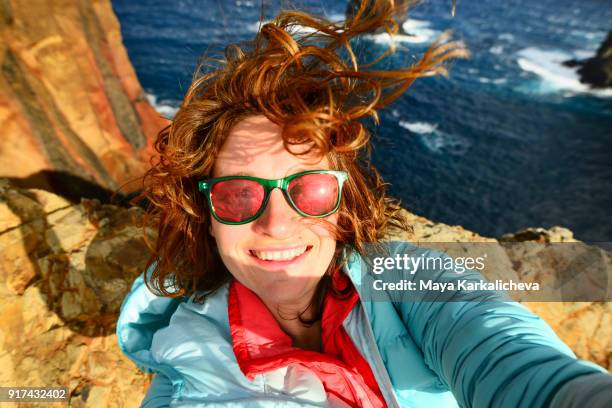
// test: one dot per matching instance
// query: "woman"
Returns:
(266, 206)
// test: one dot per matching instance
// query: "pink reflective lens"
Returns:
(314, 194)
(236, 200)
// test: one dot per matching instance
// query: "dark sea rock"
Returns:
(596, 71)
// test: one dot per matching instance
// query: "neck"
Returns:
(304, 337)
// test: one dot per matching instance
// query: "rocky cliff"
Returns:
(73, 115)
(65, 268)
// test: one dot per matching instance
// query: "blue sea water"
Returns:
(510, 140)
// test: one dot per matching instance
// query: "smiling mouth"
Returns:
(280, 255)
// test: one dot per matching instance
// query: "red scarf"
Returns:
(260, 345)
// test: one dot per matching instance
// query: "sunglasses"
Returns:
(237, 200)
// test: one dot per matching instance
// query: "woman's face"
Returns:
(254, 147)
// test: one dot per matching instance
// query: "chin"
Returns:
(288, 291)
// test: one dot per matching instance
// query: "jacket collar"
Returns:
(259, 342)
(142, 313)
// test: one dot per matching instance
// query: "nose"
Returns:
(279, 220)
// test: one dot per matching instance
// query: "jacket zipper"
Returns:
(379, 364)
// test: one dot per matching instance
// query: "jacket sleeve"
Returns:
(159, 393)
(494, 352)
(593, 390)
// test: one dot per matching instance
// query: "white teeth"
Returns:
(280, 255)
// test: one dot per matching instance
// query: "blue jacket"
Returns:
(423, 353)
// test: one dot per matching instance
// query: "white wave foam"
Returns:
(336, 17)
(167, 111)
(436, 140)
(419, 30)
(296, 29)
(583, 54)
(419, 127)
(556, 19)
(496, 81)
(254, 27)
(506, 37)
(496, 49)
(586, 34)
(440, 142)
(413, 24)
(548, 65)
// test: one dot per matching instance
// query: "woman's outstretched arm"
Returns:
(492, 352)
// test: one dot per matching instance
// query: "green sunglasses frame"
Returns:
(206, 187)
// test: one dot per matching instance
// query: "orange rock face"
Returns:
(70, 101)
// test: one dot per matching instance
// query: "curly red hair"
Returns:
(301, 72)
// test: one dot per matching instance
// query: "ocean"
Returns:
(510, 140)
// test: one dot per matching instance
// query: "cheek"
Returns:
(226, 236)
(326, 238)
(323, 228)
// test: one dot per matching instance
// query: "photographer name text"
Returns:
(457, 285)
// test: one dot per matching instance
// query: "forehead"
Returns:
(255, 147)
